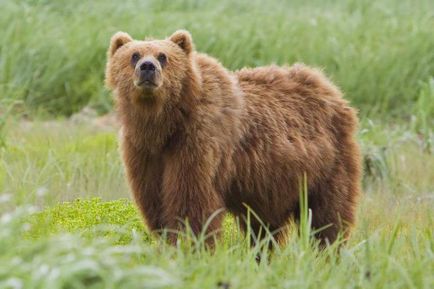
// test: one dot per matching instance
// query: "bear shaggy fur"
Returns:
(196, 138)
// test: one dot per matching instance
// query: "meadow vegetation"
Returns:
(66, 220)
(55, 234)
(380, 53)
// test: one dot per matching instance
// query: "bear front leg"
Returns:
(144, 174)
(188, 195)
(148, 201)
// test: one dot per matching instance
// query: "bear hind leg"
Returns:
(333, 210)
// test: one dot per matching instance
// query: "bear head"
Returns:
(149, 71)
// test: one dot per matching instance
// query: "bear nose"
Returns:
(147, 66)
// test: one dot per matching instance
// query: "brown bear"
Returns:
(196, 138)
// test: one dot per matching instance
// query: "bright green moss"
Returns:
(91, 218)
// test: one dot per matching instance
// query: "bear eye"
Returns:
(135, 57)
(162, 58)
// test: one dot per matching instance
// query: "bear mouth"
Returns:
(145, 84)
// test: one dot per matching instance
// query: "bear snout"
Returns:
(146, 72)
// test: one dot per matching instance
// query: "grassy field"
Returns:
(66, 219)
(380, 53)
(51, 239)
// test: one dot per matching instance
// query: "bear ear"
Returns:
(183, 39)
(117, 41)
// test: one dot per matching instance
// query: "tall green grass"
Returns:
(52, 53)
(58, 161)
(96, 243)
(53, 249)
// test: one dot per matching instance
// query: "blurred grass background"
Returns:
(381, 53)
